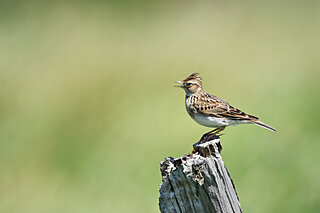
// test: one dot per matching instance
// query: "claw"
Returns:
(210, 135)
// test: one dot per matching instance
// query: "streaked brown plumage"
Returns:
(211, 111)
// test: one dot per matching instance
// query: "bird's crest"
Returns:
(194, 76)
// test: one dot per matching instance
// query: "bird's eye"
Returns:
(188, 84)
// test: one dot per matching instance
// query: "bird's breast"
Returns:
(209, 121)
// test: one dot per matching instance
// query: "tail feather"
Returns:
(259, 123)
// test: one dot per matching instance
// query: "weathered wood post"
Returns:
(198, 183)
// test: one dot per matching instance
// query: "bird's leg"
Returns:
(206, 134)
(209, 133)
(215, 133)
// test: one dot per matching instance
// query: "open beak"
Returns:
(179, 82)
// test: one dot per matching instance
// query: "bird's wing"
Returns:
(210, 105)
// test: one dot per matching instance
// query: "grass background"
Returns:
(87, 107)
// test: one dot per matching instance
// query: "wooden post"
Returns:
(198, 183)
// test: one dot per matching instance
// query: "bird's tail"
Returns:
(259, 123)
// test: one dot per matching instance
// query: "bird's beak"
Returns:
(179, 82)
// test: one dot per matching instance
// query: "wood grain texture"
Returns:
(198, 183)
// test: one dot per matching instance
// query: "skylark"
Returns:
(211, 111)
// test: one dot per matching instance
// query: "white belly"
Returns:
(211, 121)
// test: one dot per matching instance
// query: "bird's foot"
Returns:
(203, 139)
(209, 137)
(213, 136)
(206, 137)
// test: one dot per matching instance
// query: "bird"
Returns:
(211, 111)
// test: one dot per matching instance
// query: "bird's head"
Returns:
(191, 84)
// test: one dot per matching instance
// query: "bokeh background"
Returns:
(88, 108)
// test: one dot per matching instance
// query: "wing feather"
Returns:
(211, 105)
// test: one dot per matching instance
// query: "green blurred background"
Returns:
(88, 108)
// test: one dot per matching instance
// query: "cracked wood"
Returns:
(198, 183)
